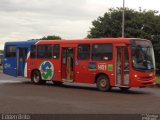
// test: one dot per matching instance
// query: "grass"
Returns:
(158, 80)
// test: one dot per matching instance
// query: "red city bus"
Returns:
(108, 62)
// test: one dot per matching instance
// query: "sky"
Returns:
(69, 19)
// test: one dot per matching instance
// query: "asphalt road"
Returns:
(18, 95)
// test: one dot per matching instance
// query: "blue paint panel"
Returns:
(10, 65)
(21, 44)
(15, 66)
(21, 68)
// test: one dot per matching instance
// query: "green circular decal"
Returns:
(47, 70)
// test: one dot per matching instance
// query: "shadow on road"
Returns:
(74, 86)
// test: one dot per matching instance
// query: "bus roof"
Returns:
(94, 40)
(21, 43)
(74, 41)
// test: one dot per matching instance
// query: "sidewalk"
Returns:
(8, 77)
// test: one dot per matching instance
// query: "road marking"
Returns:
(9, 81)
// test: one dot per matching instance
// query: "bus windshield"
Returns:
(143, 55)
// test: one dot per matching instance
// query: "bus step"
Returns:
(66, 80)
(121, 86)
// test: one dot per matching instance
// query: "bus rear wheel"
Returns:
(103, 83)
(36, 78)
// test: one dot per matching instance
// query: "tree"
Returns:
(138, 24)
(51, 37)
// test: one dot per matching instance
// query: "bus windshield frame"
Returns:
(142, 55)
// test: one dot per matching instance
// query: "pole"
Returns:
(123, 19)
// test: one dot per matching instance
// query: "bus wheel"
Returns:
(36, 78)
(58, 83)
(124, 88)
(103, 83)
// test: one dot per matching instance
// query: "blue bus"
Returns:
(14, 58)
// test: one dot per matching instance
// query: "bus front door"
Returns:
(122, 67)
(21, 61)
(68, 64)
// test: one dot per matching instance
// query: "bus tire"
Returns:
(57, 83)
(103, 83)
(36, 78)
(124, 88)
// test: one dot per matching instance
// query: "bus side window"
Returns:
(84, 52)
(10, 51)
(56, 51)
(102, 52)
(44, 51)
(33, 51)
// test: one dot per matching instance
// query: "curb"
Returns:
(155, 86)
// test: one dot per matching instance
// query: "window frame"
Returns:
(35, 56)
(50, 57)
(109, 59)
(53, 46)
(89, 52)
(6, 52)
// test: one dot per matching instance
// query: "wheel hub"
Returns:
(103, 83)
(36, 78)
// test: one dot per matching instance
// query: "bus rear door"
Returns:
(21, 61)
(14, 60)
(122, 66)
